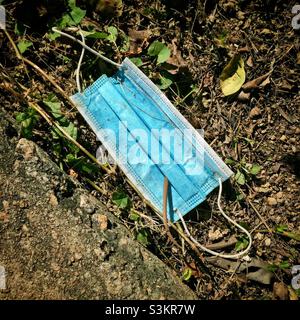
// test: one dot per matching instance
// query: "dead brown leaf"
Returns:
(258, 82)
(293, 294)
(176, 59)
(280, 291)
(255, 112)
(138, 40)
(250, 62)
(244, 96)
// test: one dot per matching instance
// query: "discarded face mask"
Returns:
(149, 139)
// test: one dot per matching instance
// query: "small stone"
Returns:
(279, 195)
(272, 201)
(86, 204)
(55, 266)
(259, 252)
(259, 236)
(240, 15)
(25, 228)
(102, 221)
(53, 200)
(214, 234)
(5, 205)
(97, 252)
(26, 148)
(244, 96)
(77, 256)
(268, 242)
(255, 112)
(262, 189)
(4, 216)
(283, 138)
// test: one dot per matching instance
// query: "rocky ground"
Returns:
(59, 242)
(257, 128)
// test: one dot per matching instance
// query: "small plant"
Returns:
(23, 45)
(242, 243)
(187, 274)
(160, 51)
(284, 265)
(244, 171)
(143, 237)
(71, 18)
(283, 230)
(121, 199)
(27, 120)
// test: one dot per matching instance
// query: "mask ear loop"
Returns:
(77, 72)
(84, 46)
(87, 47)
(214, 253)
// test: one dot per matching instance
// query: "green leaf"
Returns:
(71, 18)
(255, 169)
(240, 197)
(19, 28)
(125, 43)
(134, 216)
(164, 55)
(291, 235)
(230, 161)
(164, 83)
(142, 237)
(159, 50)
(281, 228)
(53, 36)
(240, 178)
(297, 292)
(70, 158)
(245, 225)
(89, 168)
(284, 265)
(28, 120)
(77, 14)
(95, 35)
(113, 33)
(233, 76)
(272, 267)
(241, 244)
(186, 274)
(23, 45)
(137, 61)
(21, 116)
(121, 199)
(55, 108)
(72, 3)
(71, 129)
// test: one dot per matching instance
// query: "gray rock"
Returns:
(51, 246)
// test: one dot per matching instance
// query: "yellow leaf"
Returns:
(233, 76)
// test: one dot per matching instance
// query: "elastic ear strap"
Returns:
(86, 47)
(214, 253)
(79, 64)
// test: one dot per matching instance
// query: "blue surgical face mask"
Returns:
(152, 143)
(150, 140)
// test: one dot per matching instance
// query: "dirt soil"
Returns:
(259, 126)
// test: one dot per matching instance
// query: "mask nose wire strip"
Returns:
(79, 64)
(87, 47)
(214, 253)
